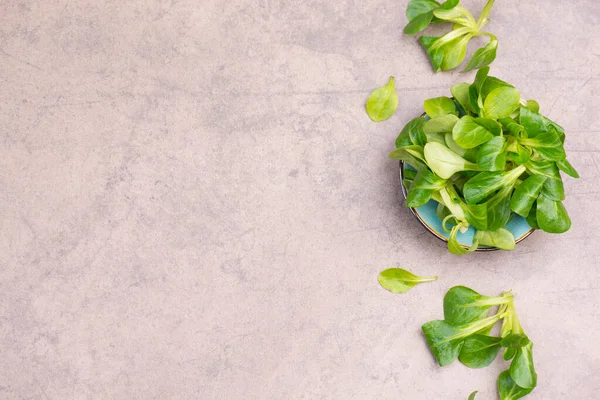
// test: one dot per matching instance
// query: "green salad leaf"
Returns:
(508, 388)
(382, 103)
(398, 280)
(463, 305)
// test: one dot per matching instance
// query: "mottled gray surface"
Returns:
(194, 204)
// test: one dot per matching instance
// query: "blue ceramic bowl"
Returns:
(427, 217)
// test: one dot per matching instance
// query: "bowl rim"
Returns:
(415, 212)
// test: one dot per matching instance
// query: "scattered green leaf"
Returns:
(398, 280)
(382, 103)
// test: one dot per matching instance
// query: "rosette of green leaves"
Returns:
(485, 156)
(465, 334)
(448, 51)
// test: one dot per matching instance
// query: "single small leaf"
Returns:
(533, 106)
(491, 155)
(475, 214)
(382, 103)
(552, 216)
(566, 167)
(522, 370)
(463, 305)
(501, 102)
(439, 106)
(419, 23)
(483, 56)
(418, 7)
(472, 395)
(470, 132)
(479, 351)
(455, 52)
(444, 162)
(460, 92)
(442, 124)
(436, 56)
(515, 340)
(450, 4)
(526, 194)
(509, 353)
(490, 84)
(508, 388)
(398, 280)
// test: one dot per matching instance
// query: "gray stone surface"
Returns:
(194, 204)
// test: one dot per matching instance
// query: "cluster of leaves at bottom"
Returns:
(465, 334)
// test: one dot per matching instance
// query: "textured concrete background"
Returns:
(194, 204)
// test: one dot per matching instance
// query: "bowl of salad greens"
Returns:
(481, 169)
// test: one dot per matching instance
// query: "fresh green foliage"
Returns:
(552, 215)
(566, 167)
(412, 133)
(483, 56)
(501, 102)
(442, 124)
(446, 340)
(463, 305)
(465, 334)
(553, 186)
(498, 212)
(454, 247)
(526, 194)
(508, 388)
(470, 132)
(448, 51)
(486, 156)
(418, 7)
(501, 238)
(460, 92)
(548, 145)
(491, 156)
(413, 155)
(522, 370)
(423, 187)
(382, 103)
(486, 183)
(439, 106)
(444, 162)
(398, 280)
(472, 395)
(515, 340)
(479, 351)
